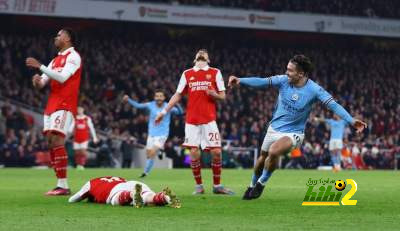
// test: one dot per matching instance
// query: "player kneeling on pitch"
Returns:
(117, 191)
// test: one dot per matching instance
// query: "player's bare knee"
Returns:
(58, 140)
(216, 153)
(49, 139)
(194, 153)
(264, 154)
(151, 153)
(274, 151)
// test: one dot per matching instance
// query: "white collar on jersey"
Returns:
(66, 51)
(80, 116)
(201, 65)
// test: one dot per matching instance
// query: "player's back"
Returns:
(101, 187)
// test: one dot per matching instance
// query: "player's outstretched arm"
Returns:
(256, 82)
(172, 102)
(133, 103)
(342, 113)
(329, 102)
(359, 125)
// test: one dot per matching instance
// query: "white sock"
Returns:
(115, 199)
(168, 199)
(62, 183)
(148, 197)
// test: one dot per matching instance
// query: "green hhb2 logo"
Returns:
(326, 195)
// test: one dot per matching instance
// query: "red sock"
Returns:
(125, 198)
(159, 199)
(52, 164)
(77, 157)
(83, 159)
(216, 169)
(60, 161)
(196, 169)
(80, 158)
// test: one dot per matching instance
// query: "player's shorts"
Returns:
(58, 122)
(155, 141)
(205, 136)
(126, 186)
(335, 144)
(272, 136)
(82, 145)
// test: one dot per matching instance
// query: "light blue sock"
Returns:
(149, 166)
(264, 177)
(254, 179)
(338, 158)
(333, 158)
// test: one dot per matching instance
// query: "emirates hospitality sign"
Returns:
(203, 16)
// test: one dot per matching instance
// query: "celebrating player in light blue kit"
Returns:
(157, 134)
(337, 126)
(297, 94)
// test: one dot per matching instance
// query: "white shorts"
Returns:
(272, 136)
(58, 122)
(126, 186)
(79, 146)
(155, 141)
(204, 135)
(335, 144)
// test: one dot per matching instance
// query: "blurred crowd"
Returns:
(364, 81)
(363, 8)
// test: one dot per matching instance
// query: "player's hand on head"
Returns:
(233, 81)
(359, 125)
(32, 62)
(125, 98)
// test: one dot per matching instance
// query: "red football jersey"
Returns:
(81, 129)
(101, 187)
(64, 96)
(201, 108)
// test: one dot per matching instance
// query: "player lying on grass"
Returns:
(117, 191)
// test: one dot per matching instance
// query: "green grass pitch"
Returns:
(23, 206)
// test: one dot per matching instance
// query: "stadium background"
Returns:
(136, 58)
(361, 71)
